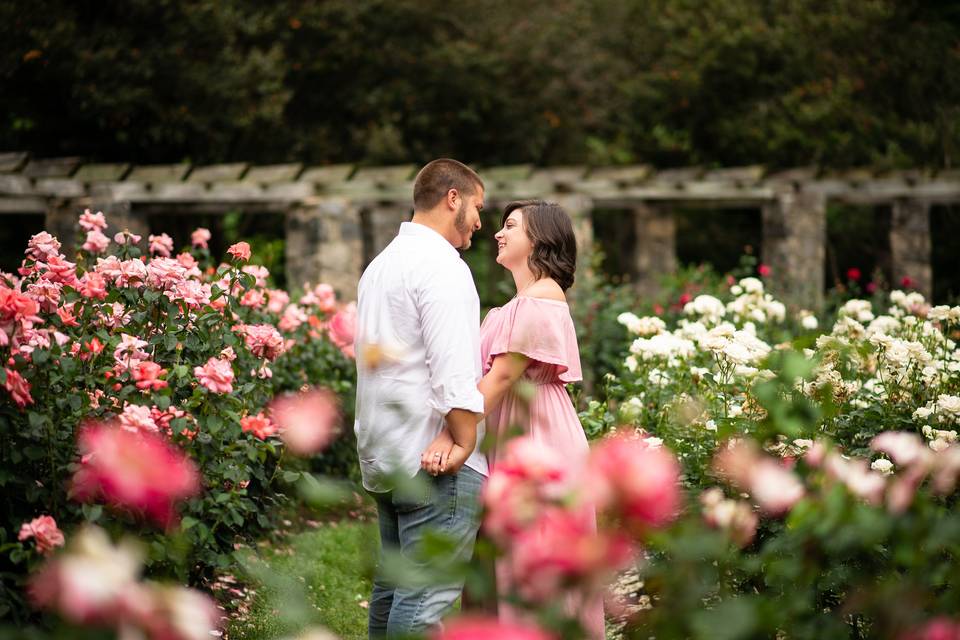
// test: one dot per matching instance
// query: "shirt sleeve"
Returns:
(449, 319)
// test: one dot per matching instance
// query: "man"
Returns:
(418, 364)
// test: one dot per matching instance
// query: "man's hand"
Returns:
(434, 459)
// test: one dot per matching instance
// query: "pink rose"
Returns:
(137, 418)
(42, 246)
(216, 375)
(733, 516)
(147, 375)
(252, 298)
(240, 251)
(133, 272)
(161, 245)
(164, 273)
(263, 340)
(277, 300)
(126, 236)
(293, 316)
(44, 530)
(343, 328)
(307, 420)
(59, 269)
(259, 425)
(635, 481)
(200, 237)
(259, 272)
(129, 352)
(18, 387)
(96, 242)
(92, 221)
(134, 470)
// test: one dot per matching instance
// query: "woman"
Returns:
(532, 338)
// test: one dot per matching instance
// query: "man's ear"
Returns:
(453, 199)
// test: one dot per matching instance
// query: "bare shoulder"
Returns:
(546, 288)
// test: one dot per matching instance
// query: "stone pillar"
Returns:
(579, 208)
(324, 243)
(910, 245)
(794, 247)
(60, 221)
(381, 222)
(121, 215)
(655, 252)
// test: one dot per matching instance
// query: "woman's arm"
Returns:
(506, 370)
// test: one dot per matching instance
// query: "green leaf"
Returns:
(730, 620)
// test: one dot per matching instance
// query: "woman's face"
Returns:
(513, 244)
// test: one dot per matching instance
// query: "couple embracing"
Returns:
(431, 380)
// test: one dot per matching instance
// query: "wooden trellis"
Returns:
(337, 217)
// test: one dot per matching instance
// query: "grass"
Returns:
(319, 576)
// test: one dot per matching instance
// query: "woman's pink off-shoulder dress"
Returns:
(542, 330)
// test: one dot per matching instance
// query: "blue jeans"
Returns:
(450, 505)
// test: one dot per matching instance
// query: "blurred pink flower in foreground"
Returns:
(637, 482)
(473, 628)
(200, 237)
(216, 375)
(733, 516)
(775, 488)
(85, 584)
(136, 470)
(941, 628)
(526, 478)
(307, 420)
(240, 251)
(563, 549)
(96, 582)
(44, 530)
(343, 328)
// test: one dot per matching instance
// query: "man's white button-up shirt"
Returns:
(417, 306)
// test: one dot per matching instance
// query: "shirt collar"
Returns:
(423, 231)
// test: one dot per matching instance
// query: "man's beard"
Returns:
(460, 224)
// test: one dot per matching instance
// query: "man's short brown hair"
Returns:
(437, 178)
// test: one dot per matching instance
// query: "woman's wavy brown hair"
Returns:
(550, 231)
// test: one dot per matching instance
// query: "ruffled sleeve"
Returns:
(541, 330)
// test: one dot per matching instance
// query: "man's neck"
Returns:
(432, 222)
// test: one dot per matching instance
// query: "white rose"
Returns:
(882, 465)
(949, 404)
(809, 322)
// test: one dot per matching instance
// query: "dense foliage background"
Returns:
(672, 82)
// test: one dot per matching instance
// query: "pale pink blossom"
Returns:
(227, 353)
(635, 481)
(137, 418)
(733, 516)
(192, 293)
(263, 340)
(259, 272)
(264, 372)
(44, 531)
(277, 300)
(308, 420)
(130, 351)
(164, 273)
(323, 296)
(856, 474)
(147, 376)
(92, 221)
(474, 628)
(775, 488)
(108, 267)
(293, 316)
(171, 612)
(86, 584)
(240, 251)
(342, 329)
(42, 246)
(46, 294)
(905, 449)
(114, 315)
(133, 272)
(134, 470)
(216, 375)
(96, 242)
(200, 237)
(126, 236)
(189, 263)
(252, 298)
(161, 245)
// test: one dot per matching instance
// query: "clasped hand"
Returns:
(443, 455)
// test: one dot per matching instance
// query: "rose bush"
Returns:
(113, 349)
